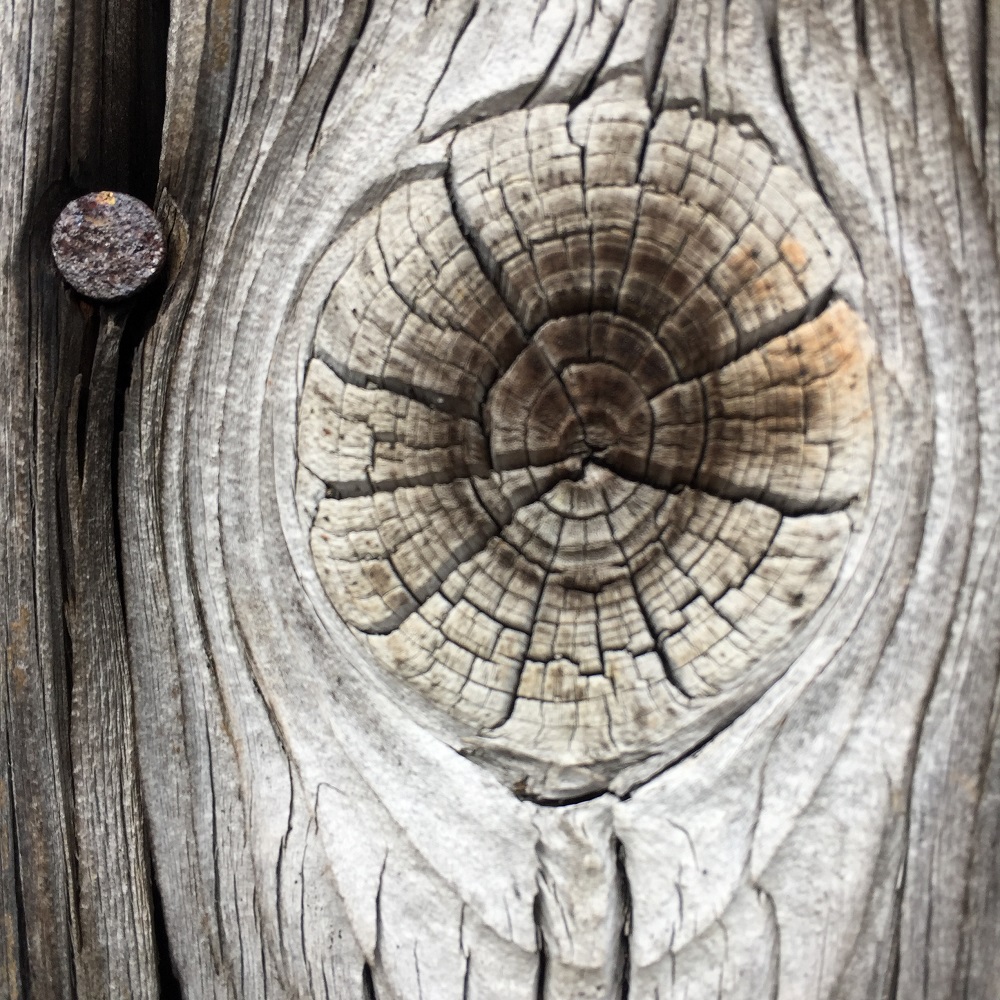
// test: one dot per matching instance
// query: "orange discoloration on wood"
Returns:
(763, 288)
(743, 261)
(838, 336)
(794, 253)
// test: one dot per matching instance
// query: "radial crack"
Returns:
(589, 411)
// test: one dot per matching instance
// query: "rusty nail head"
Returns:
(108, 245)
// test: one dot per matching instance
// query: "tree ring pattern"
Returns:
(592, 420)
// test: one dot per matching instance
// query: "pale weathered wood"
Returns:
(310, 791)
(770, 862)
(402, 562)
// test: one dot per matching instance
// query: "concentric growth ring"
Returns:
(589, 416)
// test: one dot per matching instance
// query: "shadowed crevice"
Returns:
(357, 32)
(543, 960)
(452, 405)
(170, 985)
(625, 948)
(368, 983)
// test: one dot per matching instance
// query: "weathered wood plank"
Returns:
(322, 828)
(934, 200)
(76, 911)
(115, 951)
(37, 905)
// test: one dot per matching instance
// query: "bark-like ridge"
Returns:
(651, 498)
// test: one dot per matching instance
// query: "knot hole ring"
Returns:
(590, 424)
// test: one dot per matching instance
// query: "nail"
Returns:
(108, 245)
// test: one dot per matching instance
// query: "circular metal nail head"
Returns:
(108, 245)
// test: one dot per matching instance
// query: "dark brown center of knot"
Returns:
(581, 388)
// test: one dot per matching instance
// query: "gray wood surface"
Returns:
(307, 823)
(77, 919)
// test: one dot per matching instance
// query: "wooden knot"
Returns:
(590, 414)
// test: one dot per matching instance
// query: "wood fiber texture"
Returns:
(76, 912)
(590, 422)
(538, 541)
(410, 246)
